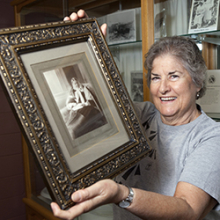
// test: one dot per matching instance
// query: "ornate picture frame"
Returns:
(39, 65)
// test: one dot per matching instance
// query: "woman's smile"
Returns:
(167, 99)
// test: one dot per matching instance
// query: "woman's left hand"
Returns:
(75, 16)
(100, 193)
(82, 14)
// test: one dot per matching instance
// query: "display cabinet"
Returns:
(128, 57)
(174, 17)
(41, 11)
(177, 14)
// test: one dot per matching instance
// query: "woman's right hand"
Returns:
(101, 193)
(82, 14)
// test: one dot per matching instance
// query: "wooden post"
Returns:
(147, 20)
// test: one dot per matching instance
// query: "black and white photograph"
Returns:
(137, 86)
(121, 27)
(76, 100)
(204, 16)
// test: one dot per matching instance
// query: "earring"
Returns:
(197, 95)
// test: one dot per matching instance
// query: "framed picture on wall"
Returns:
(204, 16)
(137, 86)
(71, 103)
(210, 103)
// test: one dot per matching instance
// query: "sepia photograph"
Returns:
(79, 108)
(83, 115)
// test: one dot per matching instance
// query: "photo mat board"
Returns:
(71, 103)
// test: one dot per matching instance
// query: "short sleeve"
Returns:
(202, 165)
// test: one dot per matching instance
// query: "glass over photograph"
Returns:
(76, 100)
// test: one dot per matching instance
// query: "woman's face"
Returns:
(75, 83)
(173, 91)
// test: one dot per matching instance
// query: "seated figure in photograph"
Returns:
(82, 113)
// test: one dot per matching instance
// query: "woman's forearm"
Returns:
(189, 202)
(149, 205)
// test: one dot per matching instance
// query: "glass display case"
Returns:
(127, 54)
(176, 17)
(41, 11)
(156, 18)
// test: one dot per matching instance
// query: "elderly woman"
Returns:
(180, 178)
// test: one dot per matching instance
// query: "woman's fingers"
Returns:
(75, 16)
(66, 18)
(82, 14)
(100, 193)
(71, 213)
(104, 29)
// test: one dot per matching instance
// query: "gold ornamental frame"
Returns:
(35, 64)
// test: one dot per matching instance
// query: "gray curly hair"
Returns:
(185, 50)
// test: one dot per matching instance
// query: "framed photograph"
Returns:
(72, 105)
(137, 86)
(210, 102)
(160, 24)
(204, 16)
(121, 27)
